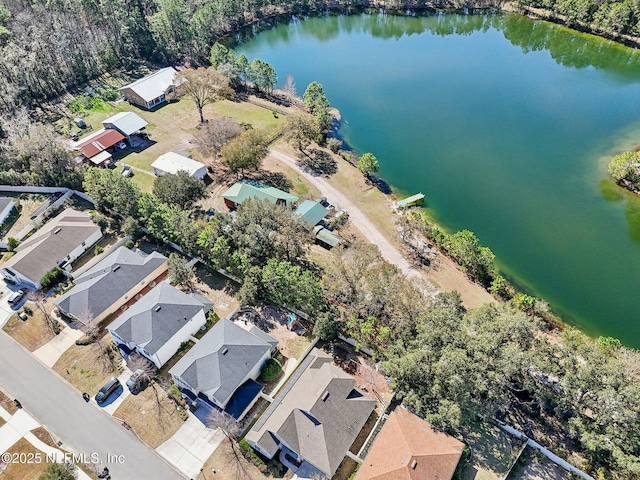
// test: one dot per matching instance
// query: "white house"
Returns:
(58, 243)
(152, 90)
(172, 163)
(6, 207)
(159, 322)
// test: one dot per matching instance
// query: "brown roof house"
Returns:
(59, 242)
(315, 418)
(408, 448)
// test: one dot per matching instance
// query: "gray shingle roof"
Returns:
(220, 362)
(151, 327)
(44, 249)
(319, 416)
(109, 280)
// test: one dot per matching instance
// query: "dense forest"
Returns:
(49, 48)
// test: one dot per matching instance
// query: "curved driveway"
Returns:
(82, 427)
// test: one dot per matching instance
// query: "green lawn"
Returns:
(173, 126)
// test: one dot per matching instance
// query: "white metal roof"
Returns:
(100, 157)
(172, 162)
(153, 85)
(126, 122)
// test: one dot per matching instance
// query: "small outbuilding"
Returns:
(152, 90)
(127, 123)
(311, 212)
(96, 149)
(172, 163)
(326, 238)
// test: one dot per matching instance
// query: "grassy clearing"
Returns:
(87, 367)
(24, 470)
(155, 419)
(32, 333)
(492, 451)
(227, 468)
(144, 181)
(217, 288)
(243, 112)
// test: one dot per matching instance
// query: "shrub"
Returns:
(129, 244)
(271, 370)
(52, 277)
(86, 340)
(98, 250)
(334, 144)
(12, 243)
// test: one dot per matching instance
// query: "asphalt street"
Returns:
(82, 427)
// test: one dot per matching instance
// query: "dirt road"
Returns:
(446, 277)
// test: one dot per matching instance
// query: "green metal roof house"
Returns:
(246, 189)
(311, 212)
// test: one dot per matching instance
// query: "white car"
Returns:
(126, 171)
(121, 145)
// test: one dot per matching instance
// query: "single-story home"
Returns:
(315, 418)
(6, 207)
(409, 448)
(172, 163)
(246, 189)
(222, 367)
(58, 243)
(159, 322)
(109, 284)
(127, 123)
(311, 212)
(96, 149)
(152, 90)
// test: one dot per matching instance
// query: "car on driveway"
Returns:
(16, 297)
(134, 381)
(107, 389)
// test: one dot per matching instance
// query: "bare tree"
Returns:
(232, 430)
(203, 86)
(217, 133)
(148, 376)
(93, 331)
(39, 298)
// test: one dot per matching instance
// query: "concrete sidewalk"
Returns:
(190, 446)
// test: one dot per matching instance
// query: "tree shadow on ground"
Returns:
(380, 184)
(275, 179)
(319, 162)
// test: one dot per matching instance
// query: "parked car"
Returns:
(107, 389)
(15, 298)
(133, 382)
(126, 171)
(121, 145)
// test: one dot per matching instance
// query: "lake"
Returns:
(506, 124)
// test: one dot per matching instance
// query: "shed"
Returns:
(172, 163)
(311, 212)
(151, 90)
(98, 142)
(326, 238)
(127, 123)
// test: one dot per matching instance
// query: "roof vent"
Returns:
(225, 351)
(57, 230)
(325, 395)
(116, 268)
(157, 309)
(414, 464)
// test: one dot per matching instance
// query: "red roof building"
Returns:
(98, 142)
(409, 448)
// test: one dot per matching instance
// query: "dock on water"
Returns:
(412, 201)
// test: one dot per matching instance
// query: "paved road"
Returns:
(82, 427)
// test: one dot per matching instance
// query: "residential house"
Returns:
(172, 163)
(246, 189)
(314, 419)
(127, 123)
(409, 448)
(111, 283)
(159, 322)
(154, 89)
(58, 243)
(222, 367)
(6, 207)
(97, 148)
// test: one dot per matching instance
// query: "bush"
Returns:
(12, 243)
(98, 250)
(334, 144)
(129, 244)
(250, 453)
(52, 277)
(86, 340)
(271, 370)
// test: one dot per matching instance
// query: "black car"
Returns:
(107, 389)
